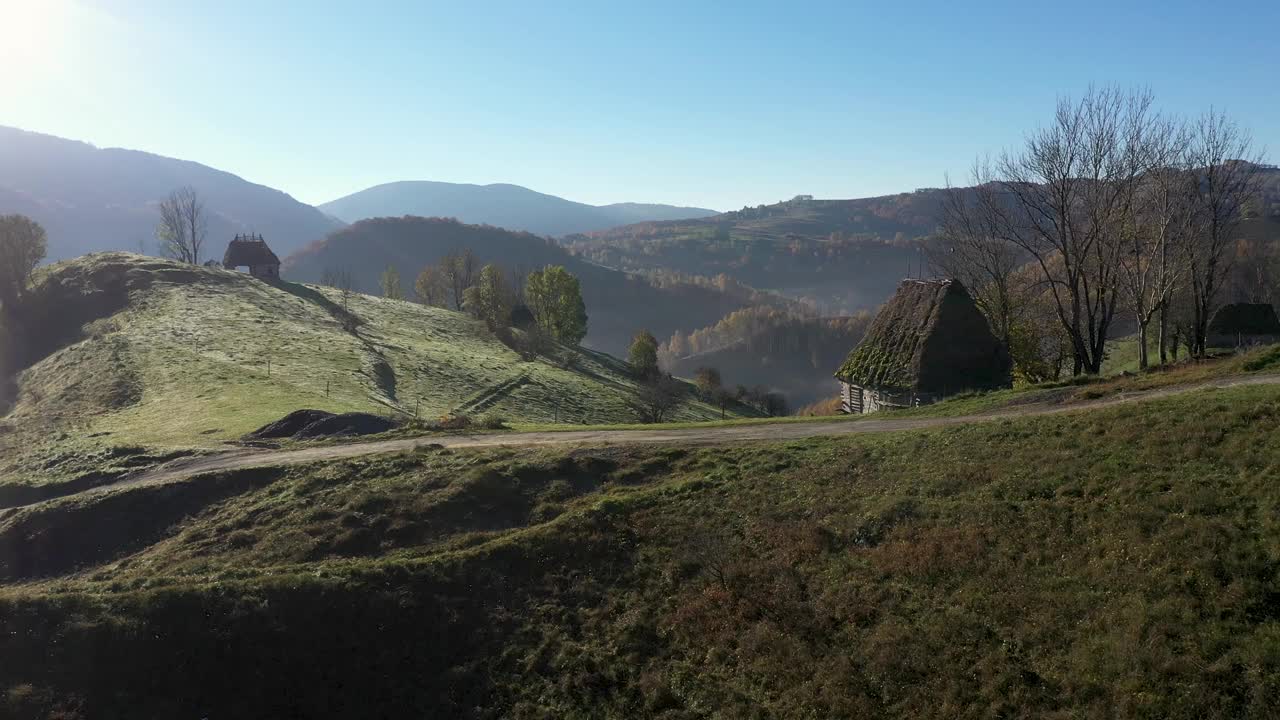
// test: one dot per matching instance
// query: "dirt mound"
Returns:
(310, 424)
(289, 425)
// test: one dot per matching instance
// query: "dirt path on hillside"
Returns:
(251, 458)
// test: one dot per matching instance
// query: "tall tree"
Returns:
(458, 268)
(22, 246)
(1154, 243)
(390, 283)
(489, 299)
(656, 399)
(183, 225)
(969, 248)
(1067, 199)
(1222, 156)
(643, 354)
(341, 280)
(431, 287)
(554, 296)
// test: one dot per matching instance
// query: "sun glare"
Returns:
(32, 32)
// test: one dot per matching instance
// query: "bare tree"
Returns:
(183, 225)
(1222, 156)
(1067, 198)
(970, 249)
(656, 399)
(1154, 243)
(341, 280)
(459, 269)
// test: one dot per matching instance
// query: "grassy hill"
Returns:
(147, 352)
(1119, 562)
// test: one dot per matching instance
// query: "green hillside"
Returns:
(1119, 562)
(157, 354)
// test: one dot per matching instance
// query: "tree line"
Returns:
(548, 300)
(1112, 209)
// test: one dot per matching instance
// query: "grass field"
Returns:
(203, 359)
(1113, 563)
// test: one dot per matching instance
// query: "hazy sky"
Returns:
(717, 105)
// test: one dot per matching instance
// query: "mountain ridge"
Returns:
(93, 199)
(505, 205)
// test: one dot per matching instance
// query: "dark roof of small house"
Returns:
(1245, 319)
(930, 338)
(248, 251)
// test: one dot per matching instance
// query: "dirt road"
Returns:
(239, 459)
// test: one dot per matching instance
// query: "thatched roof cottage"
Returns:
(929, 341)
(251, 251)
(1244, 324)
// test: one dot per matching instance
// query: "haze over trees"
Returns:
(1116, 207)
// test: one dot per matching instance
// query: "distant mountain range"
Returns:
(90, 199)
(506, 206)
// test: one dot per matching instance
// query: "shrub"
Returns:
(454, 422)
(493, 421)
(1264, 360)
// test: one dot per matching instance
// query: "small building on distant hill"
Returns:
(252, 252)
(929, 341)
(1244, 324)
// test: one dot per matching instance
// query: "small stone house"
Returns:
(929, 341)
(252, 252)
(1244, 324)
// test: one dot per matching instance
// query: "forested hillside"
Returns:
(845, 255)
(775, 350)
(618, 303)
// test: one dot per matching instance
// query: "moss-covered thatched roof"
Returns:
(929, 338)
(1245, 319)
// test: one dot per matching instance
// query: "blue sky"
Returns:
(718, 105)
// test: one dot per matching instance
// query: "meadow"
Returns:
(1112, 562)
